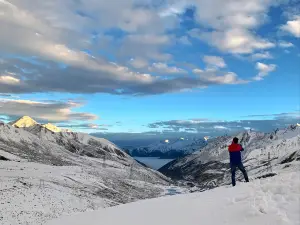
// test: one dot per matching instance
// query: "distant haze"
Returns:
(141, 139)
(211, 130)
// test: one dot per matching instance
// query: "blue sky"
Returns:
(204, 67)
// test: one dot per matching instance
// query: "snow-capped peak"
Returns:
(28, 122)
(52, 127)
(24, 121)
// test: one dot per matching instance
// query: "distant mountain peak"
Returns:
(28, 122)
(52, 127)
(24, 121)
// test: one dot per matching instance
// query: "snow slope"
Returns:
(269, 201)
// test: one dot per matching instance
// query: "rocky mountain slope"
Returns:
(44, 174)
(264, 154)
(169, 148)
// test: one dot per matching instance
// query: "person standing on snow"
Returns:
(236, 160)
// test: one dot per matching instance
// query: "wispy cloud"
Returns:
(217, 77)
(260, 123)
(139, 63)
(285, 44)
(262, 55)
(88, 126)
(214, 62)
(5, 79)
(264, 70)
(51, 111)
(184, 40)
(221, 127)
(289, 115)
(163, 68)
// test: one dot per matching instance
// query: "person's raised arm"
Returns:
(242, 148)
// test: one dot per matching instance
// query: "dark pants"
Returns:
(233, 170)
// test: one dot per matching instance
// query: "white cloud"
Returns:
(173, 9)
(150, 39)
(32, 27)
(93, 126)
(221, 127)
(237, 41)
(211, 75)
(19, 37)
(231, 13)
(264, 70)
(262, 55)
(139, 63)
(228, 78)
(197, 71)
(233, 23)
(48, 111)
(184, 40)
(88, 126)
(56, 32)
(163, 68)
(284, 44)
(9, 80)
(136, 19)
(292, 26)
(148, 46)
(214, 62)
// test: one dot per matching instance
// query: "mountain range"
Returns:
(45, 174)
(271, 197)
(28, 122)
(264, 153)
(171, 148)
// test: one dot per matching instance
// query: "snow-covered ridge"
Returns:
(52, 127)
(50, 174)
(48, 141)
(264, 153)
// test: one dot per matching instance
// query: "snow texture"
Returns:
(270, 201)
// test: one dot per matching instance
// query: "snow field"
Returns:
(270, 201)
